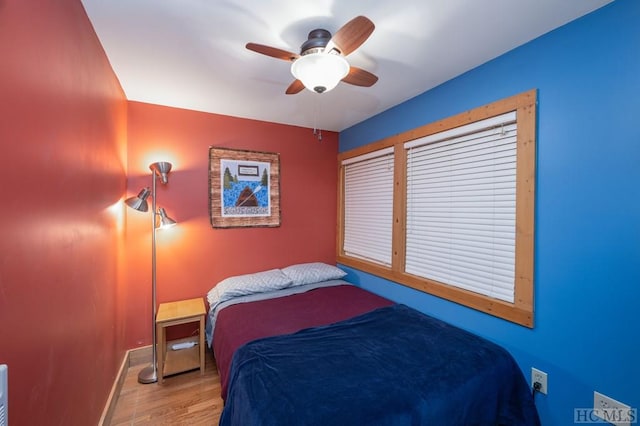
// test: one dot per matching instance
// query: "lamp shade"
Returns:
(165, 221)
(320, 72)
(139, 202)
(162, 168)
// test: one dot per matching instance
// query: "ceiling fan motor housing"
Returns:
(317, 39)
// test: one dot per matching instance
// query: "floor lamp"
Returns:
(159, 170)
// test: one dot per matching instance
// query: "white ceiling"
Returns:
(190, 53)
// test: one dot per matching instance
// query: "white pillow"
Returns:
(307, 273)
(242, 285)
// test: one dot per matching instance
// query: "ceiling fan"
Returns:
(321, 64)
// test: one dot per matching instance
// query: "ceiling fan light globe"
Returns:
(320, 72)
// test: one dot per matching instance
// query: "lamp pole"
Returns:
(149, 374)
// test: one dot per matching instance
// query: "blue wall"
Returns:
(587, 256)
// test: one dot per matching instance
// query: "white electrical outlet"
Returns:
(612, 411)
(540, 377)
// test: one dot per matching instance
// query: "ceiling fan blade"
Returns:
(272, 51)
(351, 35)
(295, 87)
(359, 77)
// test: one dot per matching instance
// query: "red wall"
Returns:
(193, 256)
(74, 280)
(63, 138)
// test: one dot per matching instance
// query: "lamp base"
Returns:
(147, 375)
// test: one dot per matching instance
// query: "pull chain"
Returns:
(317, 132)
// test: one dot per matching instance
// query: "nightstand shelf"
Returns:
(177, 361)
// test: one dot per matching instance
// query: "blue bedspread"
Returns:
(391, 366)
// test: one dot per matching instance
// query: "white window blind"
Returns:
(368, 206)
(461, 207)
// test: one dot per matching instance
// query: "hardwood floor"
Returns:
(183, 399)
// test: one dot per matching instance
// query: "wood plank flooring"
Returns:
(183, 399)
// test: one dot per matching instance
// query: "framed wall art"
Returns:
(244, 188)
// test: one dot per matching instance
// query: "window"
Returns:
(453, 215)
(368, 206)
(461, 207)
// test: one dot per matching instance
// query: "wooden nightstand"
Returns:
(176, 361)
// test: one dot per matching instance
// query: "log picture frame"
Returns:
(244, 188)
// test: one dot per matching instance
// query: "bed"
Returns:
(316, 350)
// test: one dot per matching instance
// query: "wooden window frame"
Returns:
(521, 311)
